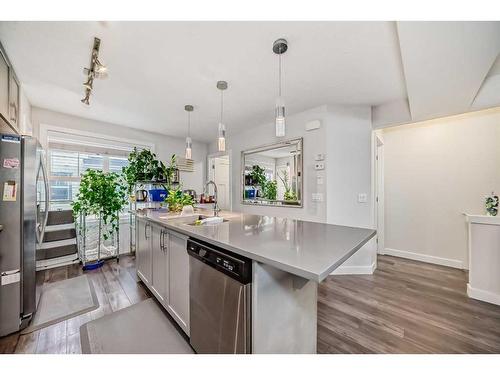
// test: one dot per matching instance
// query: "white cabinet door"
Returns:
(178, 274)
(159, 281)
(4, 87)
(14, 101)
(143, 250)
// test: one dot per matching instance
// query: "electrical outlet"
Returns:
(362, 198)
(319, 166)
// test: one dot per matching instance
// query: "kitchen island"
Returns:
(289, 258)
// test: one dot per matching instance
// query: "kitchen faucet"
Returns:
(216, 207)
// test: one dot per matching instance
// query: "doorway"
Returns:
(379, 191)
(219, 171)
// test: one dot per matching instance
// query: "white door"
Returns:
(219, 173)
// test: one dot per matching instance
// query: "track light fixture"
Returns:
(96, 70)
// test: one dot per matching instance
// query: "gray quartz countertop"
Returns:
(306, 249)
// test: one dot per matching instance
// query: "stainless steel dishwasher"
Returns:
(220, 300)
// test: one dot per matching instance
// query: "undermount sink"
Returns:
(201, 217)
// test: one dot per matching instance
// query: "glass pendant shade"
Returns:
(222, 137)
(280, 117)
(189, 144)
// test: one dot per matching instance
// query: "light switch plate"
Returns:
(362, 198)
(317, 197)
(319, 166)
(319, 157)
(313, 125)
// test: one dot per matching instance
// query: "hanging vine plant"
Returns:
(103, 195)
(143, 165)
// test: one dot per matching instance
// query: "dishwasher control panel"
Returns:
(234, 265)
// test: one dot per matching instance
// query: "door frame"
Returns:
(215, 155)
(378, 184)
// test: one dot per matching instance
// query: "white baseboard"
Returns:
(355, 270)
(483, 295)
(425, 258)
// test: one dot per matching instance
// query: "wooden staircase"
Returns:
(59, 245)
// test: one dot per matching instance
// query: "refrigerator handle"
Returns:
(47, 197)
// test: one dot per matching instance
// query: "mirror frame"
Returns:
(300, 172)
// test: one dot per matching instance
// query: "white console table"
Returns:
(484, 258)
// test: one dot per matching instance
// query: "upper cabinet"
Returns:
(9, 92)
(4, 85)
(14, 101)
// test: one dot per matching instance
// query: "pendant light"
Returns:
(189, 108)
(280, 46)
(221, 140)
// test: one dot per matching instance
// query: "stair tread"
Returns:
(57, 235)
(60, 217)
(56, 252)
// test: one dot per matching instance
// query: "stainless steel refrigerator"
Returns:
(23, 217)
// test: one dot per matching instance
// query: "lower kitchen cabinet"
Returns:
(178, 264)
(143, 252)
(163, 265)
(159, 279)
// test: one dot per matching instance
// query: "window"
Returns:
(66, 168)
(116, 164)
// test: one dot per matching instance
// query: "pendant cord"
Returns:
(221, 105)
(189, 124)
(279, 86)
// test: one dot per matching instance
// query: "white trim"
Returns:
(355, 270)
(45, 128)
(57, 262)
(482, 219)
(425, 258)
(483, 295)
(53, 228)
(378, 211)
(53, 244)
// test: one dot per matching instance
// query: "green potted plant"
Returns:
(143, 165)
(258, 178)
(101, 196)
(176, 200)
(289, 195)
(271, 190)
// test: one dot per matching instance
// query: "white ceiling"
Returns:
(445, 64)
(407, 71)
(158, 67)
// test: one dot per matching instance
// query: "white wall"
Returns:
(314, 142)
(349, 173)
(345, 137)
(435, 171)
(25, 123)
(164, 146)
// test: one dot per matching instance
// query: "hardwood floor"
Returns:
(404, 307)
(116, 287)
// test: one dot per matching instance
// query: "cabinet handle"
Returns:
(163, 235)
(161, 241)
(146, 231)
(13, 116)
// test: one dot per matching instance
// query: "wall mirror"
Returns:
(272, 174)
